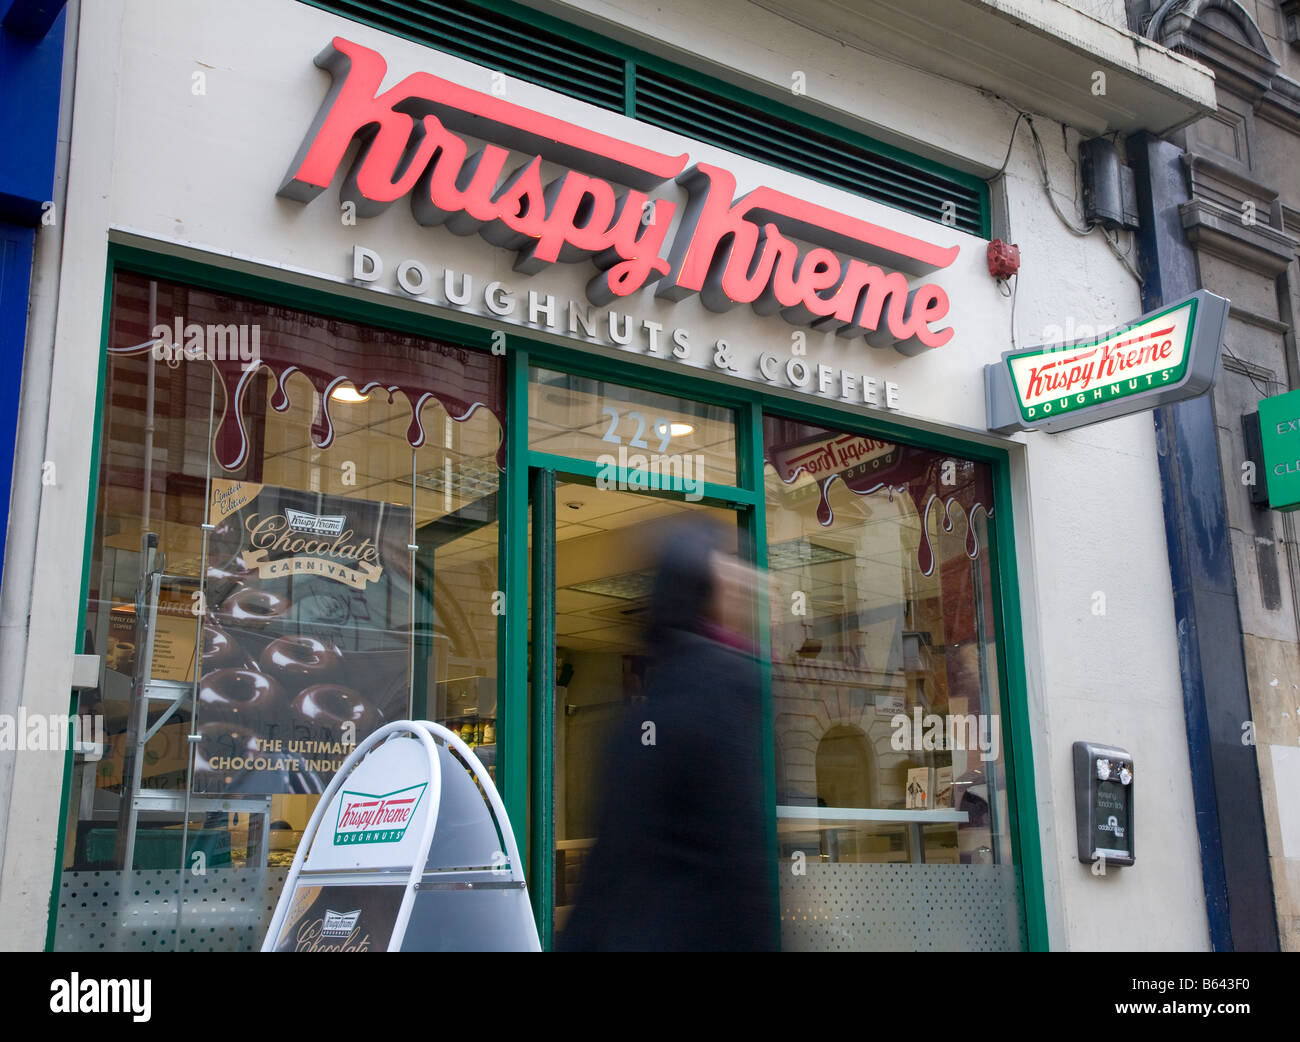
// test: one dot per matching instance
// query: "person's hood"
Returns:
(684, 580)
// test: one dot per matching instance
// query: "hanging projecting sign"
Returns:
(851, 279)
(1163, 357)
(1279, 435)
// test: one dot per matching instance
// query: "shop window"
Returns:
(892, 802)
(299, 515)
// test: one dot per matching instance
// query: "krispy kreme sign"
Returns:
(848, 456)
(773, 251)
(367, 818)
(833, 455)
(1166, 356)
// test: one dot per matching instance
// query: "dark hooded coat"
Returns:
(680, 861)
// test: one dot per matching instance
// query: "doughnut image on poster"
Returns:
(306, 641)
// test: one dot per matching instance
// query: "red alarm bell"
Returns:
(1004, 259)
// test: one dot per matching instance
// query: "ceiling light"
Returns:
(680, 430)
(634, 586)
(796, 553)
(347, 393)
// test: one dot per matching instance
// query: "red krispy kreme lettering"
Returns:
(721, 253)
(358, 815)
(1101, 364)
(1116, 358)
(374, 813)
(352, 105)
(730, 251)
(838, 454)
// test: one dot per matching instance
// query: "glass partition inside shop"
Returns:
(889, 718)
(296, 541)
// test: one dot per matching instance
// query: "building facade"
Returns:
(1234, 207)
(385, 344)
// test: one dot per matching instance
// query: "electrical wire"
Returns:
(1007, 158)
(1041, 156)
(1082, 233)
(1123, 257)
(1015, 291)
(1245, 371)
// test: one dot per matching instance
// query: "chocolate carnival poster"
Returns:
(306, 637)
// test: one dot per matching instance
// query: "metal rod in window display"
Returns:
(986, 701)
(150, 377)
(146, 603)
(414, 547)
(192, 738)
(446, 466)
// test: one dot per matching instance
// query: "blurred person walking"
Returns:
(680, 861)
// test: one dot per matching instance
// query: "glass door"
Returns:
(604, 547)
(614, 470)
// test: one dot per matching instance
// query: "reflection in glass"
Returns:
(604, 422)
(886, 693)
(348, 482)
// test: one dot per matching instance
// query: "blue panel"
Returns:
(1216, 698)
(32, 18)
(31, 76)
(16, 246)
(31, 79)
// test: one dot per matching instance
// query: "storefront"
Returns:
(350, 462)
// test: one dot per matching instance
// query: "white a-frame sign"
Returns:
(409, 849)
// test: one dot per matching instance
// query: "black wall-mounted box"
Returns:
(1109, 187)
(1103, 803)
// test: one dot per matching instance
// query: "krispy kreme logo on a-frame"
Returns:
(368, 818)
(730, 251)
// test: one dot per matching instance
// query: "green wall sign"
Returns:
(1279, 434)
(1163, 357)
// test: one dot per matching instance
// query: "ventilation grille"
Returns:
(608, 75)
(678, 106)
(498, 42)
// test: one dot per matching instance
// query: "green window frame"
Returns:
(748, 403)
